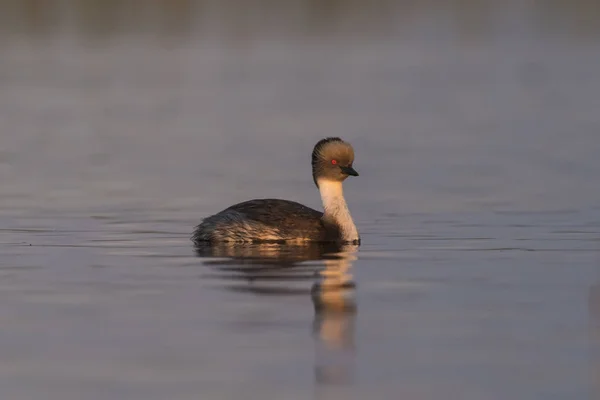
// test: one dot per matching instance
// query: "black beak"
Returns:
(349, 171)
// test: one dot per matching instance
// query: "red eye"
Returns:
(333, 162)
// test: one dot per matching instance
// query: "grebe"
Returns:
(274, 220)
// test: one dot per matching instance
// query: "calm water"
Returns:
(476, 128)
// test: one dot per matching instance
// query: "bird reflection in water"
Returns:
(333, 297)
(283, 269)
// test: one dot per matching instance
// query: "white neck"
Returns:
(336, 208)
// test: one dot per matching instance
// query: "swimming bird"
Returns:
(283, 221)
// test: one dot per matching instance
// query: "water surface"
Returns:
(476, 132)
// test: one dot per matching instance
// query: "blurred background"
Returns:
(476, 128)
(452, 106)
